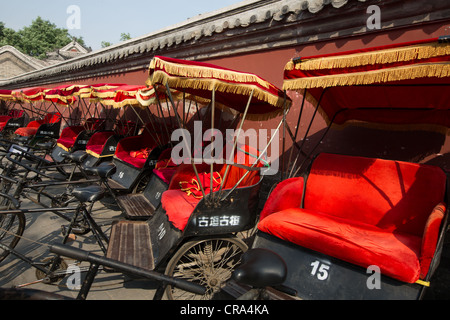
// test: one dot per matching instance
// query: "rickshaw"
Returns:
(192, 233)
(135, 155)
(353, 226)
(12, 118)
(80, 123)
(45, 125)
(29, 177)
(102, 144)
(146, 158)
(40, 142)
(79, 216)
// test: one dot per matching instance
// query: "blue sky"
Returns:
(102, 20)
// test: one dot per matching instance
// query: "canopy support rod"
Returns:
(213, 108)
(307, 131)
(294, 138)
(159, 109)
(244, 116)
(284, 140)
(257, 160)
(319, 142)
(147, 129)
(185, 139)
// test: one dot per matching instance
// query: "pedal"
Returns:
(75, 230)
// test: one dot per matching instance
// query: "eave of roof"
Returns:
(32, 62)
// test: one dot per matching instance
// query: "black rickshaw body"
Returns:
(321, 274)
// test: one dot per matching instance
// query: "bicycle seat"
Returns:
(21, 139)
(77, 156)
(45, 145)
(88, 194)
(260, 268)
(103, 170)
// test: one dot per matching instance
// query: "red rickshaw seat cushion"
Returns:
(4, 120)
(32, 127)
(135, 150)
(165, 168)
(69, 136)
(363, 211)
(27, 131)
(179, 207)
(97, 142)
(183, 194)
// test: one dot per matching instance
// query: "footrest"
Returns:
(130, 243)
(136, 206)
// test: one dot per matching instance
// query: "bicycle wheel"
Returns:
(12, 227)
(208, 262)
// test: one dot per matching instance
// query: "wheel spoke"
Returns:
(208, 262)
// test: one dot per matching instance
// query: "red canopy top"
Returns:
(127, 95)
(65, 94)
(98, 90)
(404, 83)
(116, 95)
(30, 94)
(6, 95)
(232, 88)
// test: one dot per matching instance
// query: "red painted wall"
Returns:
(428, 147)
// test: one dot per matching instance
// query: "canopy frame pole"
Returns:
(307, 131)
(153, 121)
(147, 129)
(168, 111)
(244, 116)
(297, 128)
(213, 108)
(88, 110)
(57, 110)
(184, 138)
(257, 160)
(158, 103)
(284, 140)
(160, 111)
(319, 142)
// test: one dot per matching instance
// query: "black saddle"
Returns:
(77, 156)
(261, 268)
(47, 145)
(21, 139)
(88, 194)
(103, 170)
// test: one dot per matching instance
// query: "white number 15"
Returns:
(320, 270)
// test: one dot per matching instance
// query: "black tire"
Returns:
(208, 262)
(12, 227)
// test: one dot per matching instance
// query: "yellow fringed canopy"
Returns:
(404, 84)
(232, 88)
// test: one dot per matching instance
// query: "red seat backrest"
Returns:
(247, 156)
(15, 113)
(52, 118)
(244, 155)
(392, 195)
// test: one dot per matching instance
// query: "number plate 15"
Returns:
(320, 270)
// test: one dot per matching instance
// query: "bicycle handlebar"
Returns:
(13, 200)
(82, 255)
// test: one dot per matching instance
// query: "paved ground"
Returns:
(45, 228)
